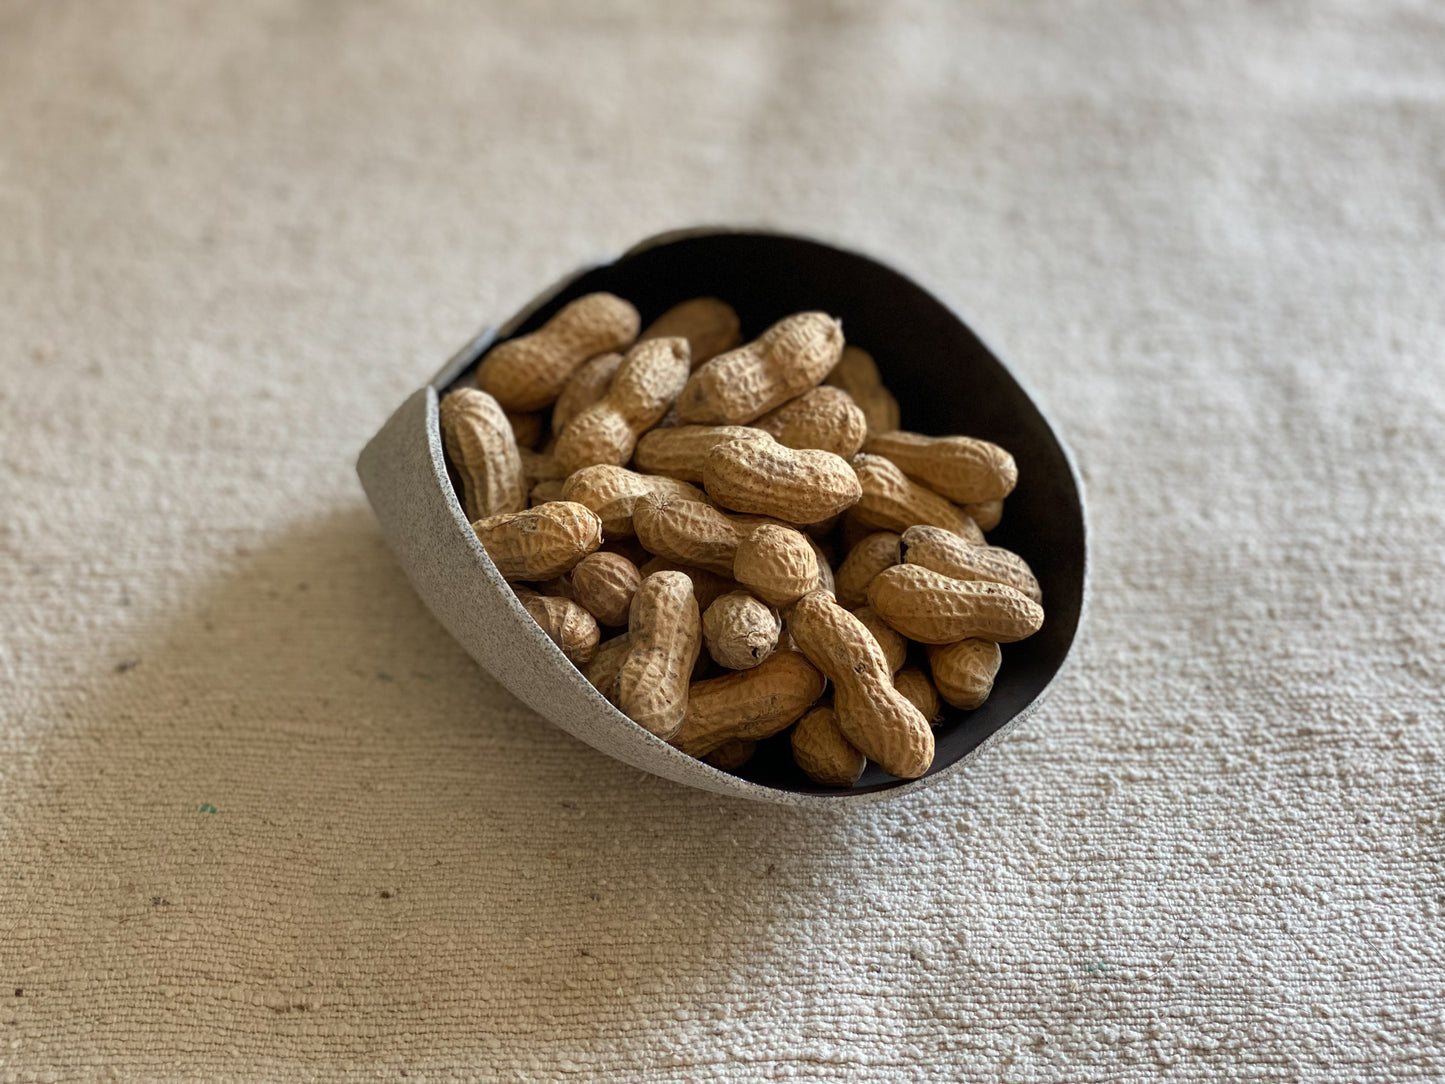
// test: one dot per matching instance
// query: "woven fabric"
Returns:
(261, 819)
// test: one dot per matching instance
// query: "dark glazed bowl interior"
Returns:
(946, 380)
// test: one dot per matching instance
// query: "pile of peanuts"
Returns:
(754, 467)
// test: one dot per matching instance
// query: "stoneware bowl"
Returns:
(946, 380)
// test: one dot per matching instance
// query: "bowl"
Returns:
(946, 380)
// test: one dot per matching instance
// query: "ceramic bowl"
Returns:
(946, 380)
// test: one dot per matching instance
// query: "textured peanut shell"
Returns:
(987, 514)
(612, 493)
(914, 684)
(543, 492)
(857, 374)
(568, 625)
(943, 551)
(480, 444)
(891, 501)
(823, 417)
(820, 749)
(666, 636)
(777, 564)
(875, 717)
(687, 532)
(960, 468)
(529, 372)
(540, 466)
(586, 386)
(640, 394)
(740, 630)
(932, 608)
(709, 325)
(826, 581)
(870, 556)
(964, 672)
(891, 642)
(732, 755)
(528, 428)
(793, 485)
(541, 542)
(748, 704)
(786, 360)
(707, 586)
(606, 662)
(679, 452)
(604, 584)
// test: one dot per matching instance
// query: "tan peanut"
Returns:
(748, 704)
(740, 631)
(786, 360)
(709, 325)
(690, 532)
(606, 662)
(604, 583)
(528, 428)
(612, 493)
(731, 755)
(823, 417)
(960, 468)
(820, 749)
(479, 443)
(644, 387)
(891, 501)
(826, 582)
(943, 551)
(891, 642)
(566, 623)
(932, 608)
(666, 636)
(543, 492)
(540, 467)
(777, 564)
(541, 542)
(987, 514)
(914, 684)
(586, 386)
(529, 372)
(872, 554)
(964, 671)
(707, 586)
(857, 374)
(794, 485)
(875, 717)
(680, 452)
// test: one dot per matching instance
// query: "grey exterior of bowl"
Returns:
(404, 473)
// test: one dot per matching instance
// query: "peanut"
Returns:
(987, 514)
(528, 429)
(826, 582)
(629, 548)
(529, 372)
(777, 564)
(820, 749)
(480, 444)
(606, 662)
(740, 631)
(870, 556)
(959, 468)
(891, 642)
(731, 755)
(876, 719)
(932, 608)
(540, 467)
(690, 532)
(707, 586)
(585, 387)
(891, 501)
(543, 492)
(680, 452)
(567, 624)
(604, 583)
(612, 492)
(541, 542)
(964, 671)
(943, 551)
(824, 417)
(914, 684)
(795, 485)
(709, 325)
(666, 636)
(748, 704)
(786, 360)
(857, 374)
(645, 386)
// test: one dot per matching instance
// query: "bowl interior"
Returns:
(946, 380)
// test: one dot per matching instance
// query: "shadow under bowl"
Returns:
(946, 381)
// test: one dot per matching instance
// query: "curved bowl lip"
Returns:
(737, 786)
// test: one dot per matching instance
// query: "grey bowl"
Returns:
(946, 380)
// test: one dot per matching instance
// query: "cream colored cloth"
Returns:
(261, 819)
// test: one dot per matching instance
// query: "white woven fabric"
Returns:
(261, 818)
